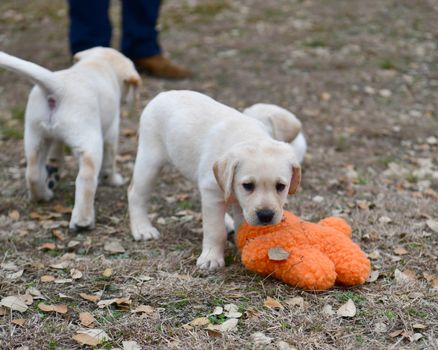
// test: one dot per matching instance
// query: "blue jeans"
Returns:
(90, 26)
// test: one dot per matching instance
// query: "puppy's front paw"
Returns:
(44, 195)
(113, 179)
(117, 180)
(210, 261)
(81, 224)
(145, 233)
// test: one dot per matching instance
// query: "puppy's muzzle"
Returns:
(265, 216)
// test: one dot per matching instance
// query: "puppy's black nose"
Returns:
(265, 215)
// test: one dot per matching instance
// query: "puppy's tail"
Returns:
(42, 77)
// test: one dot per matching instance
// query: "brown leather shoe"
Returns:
(160, 66)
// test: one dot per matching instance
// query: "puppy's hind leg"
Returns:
(109, 170)
(147, 167)
(36, 150)
(90, 161)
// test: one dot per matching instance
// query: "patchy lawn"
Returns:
(362, 76)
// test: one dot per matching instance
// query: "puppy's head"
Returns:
(259, 177)
(122, 66)
(281, 124)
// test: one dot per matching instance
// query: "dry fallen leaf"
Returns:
(19, 322)
(419, 326)
(75, 274)
(296, 301)
(272, 303)
(410, 273)
(259, 339)
(36, 216)
(90, 297)
(400, 251)
(14, 303)
(433, 225)
(114, 247)
(3, 310)
(86, 319)
(428, 276)
(396, 333)
(282, 345)
(232, 311)
(107, 272)
(14, 215)
(64, 296)
(218, 310)
(14, 275)
(122, 302)
(63, 280)
(58, 234)
(27, 298)
(60, 308)
(385, 220)
(146, 309)
(47, 246)
(86, 339)
(131, 345)
(199, 321)
(61, 265)
(347, 310)
(374, 275)
(227, 326)
(73, 244)
(374, 255)
(47, 278)
(402, 277)
(92, 337)
(277, 254)
(59, 208)
(328, 310)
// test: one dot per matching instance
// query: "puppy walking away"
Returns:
(80, 107)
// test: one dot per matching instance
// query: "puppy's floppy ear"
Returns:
(132, 97)
(77, 57)
(82, 54)
(224, 169)
(133, 80)
(295, 178)
(285, 126)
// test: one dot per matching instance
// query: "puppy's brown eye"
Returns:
(249, 186)
(280, 187)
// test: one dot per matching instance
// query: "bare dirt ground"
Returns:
(362, 76)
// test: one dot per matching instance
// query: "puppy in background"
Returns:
(79, 107)
(232, 157)
(277, 121)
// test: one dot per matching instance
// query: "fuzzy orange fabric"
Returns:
(320, 255)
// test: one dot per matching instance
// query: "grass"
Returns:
(10, 133)
(314, 43)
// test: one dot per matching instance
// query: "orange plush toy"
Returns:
(304, 254)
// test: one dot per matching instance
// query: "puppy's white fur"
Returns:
(80, 107)
(223, 151)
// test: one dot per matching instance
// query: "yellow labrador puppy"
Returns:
(80, 107)
(232, 158)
